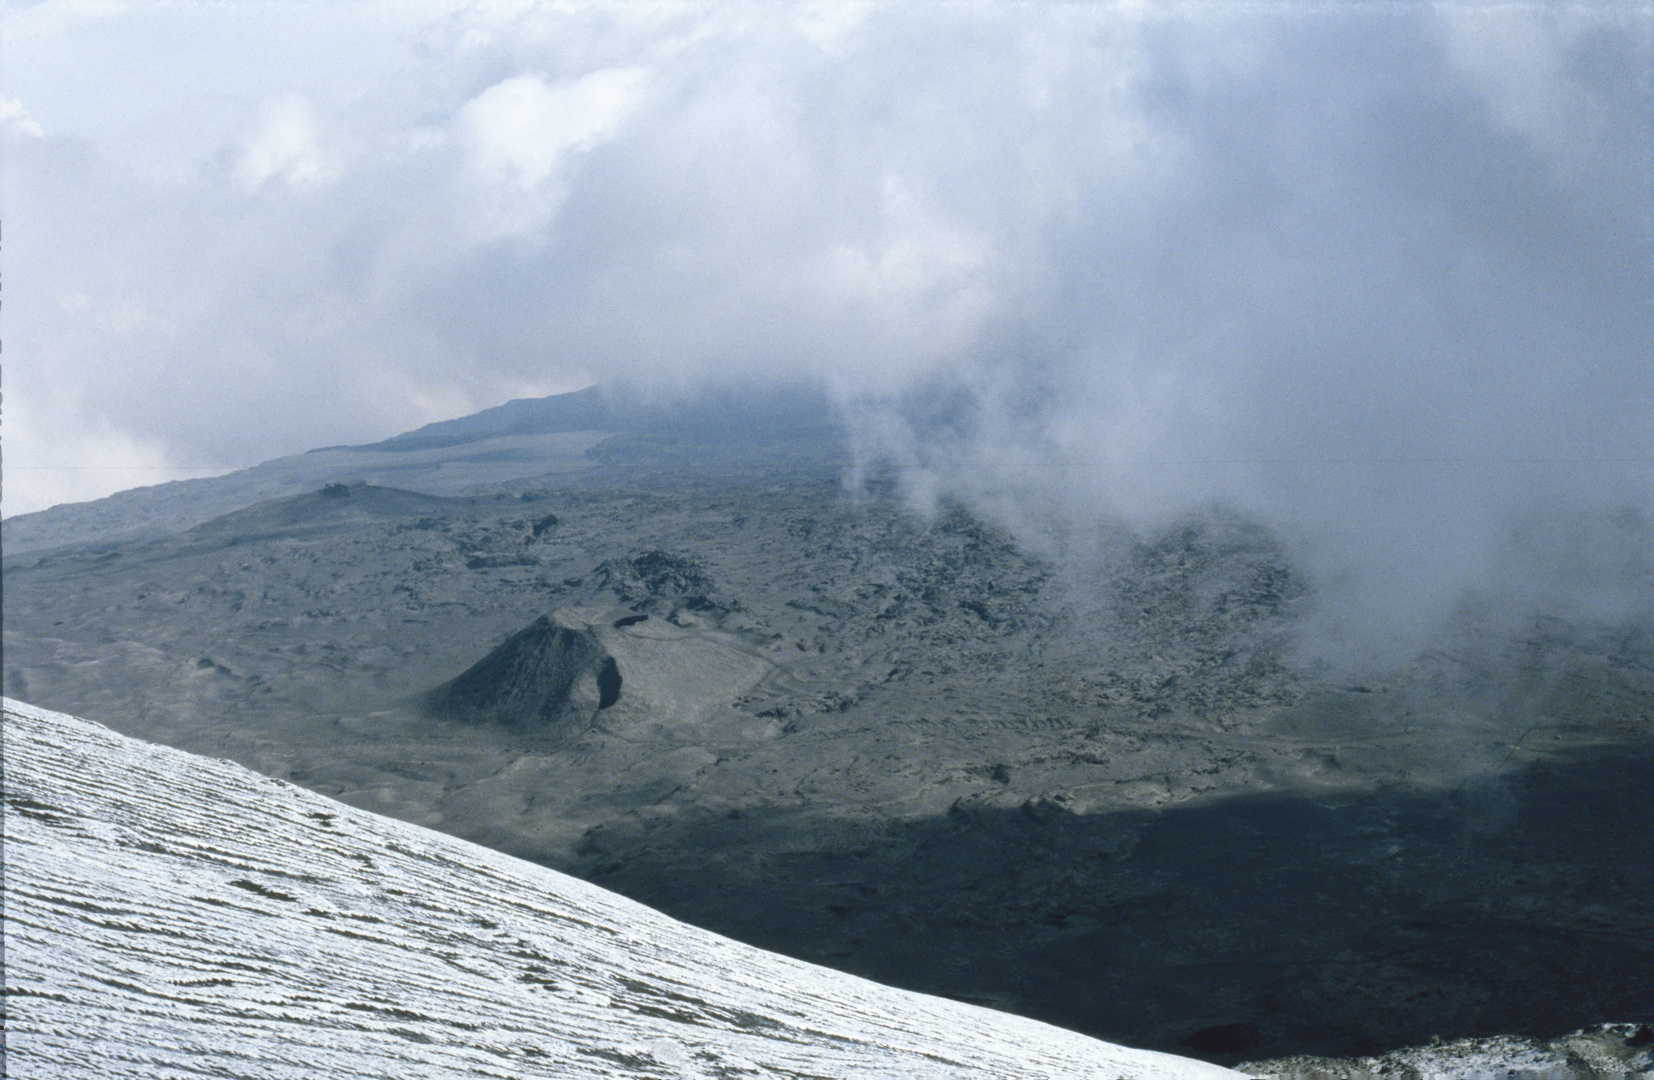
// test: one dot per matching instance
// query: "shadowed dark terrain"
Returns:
(1241, 927)
(1086, 778)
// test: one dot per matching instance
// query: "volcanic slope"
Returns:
(167, 914)
(560, 438)
(1077, 777)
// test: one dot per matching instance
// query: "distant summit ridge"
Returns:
(582, 410)
(336, 503)
(743, 430)
(742, 416)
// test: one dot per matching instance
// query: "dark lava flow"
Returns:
(1243, 927)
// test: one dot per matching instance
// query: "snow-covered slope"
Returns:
(167, 915)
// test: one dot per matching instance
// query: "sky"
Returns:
(1375, 273)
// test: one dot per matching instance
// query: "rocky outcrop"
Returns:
(1608, 1050)
(554, 676)
(559, 674)
(661, 582)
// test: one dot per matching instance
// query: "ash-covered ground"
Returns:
(168, 915)
(1096, 784)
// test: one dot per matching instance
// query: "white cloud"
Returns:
(58, 451)
(28, 24)
(1274, 256)
(521, 132)
(285, 146)
(15, 120)
(924, 278)
(520, 129)
(828, 23)
(1557, 74)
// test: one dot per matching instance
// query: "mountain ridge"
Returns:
(1040, 774)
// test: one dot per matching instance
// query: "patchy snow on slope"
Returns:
(169, 916)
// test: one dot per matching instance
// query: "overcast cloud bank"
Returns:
(1377, 275)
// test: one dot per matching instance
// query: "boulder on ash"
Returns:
(582, 667)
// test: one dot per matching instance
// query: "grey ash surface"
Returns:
(1088, 783)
